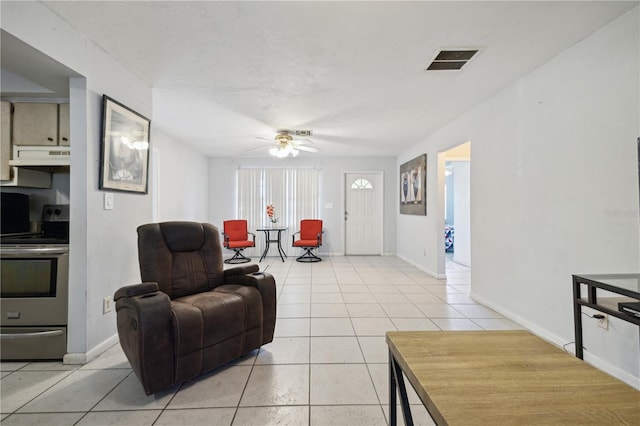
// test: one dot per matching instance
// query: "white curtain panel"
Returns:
(293, 194)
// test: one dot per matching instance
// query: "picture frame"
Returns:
(124, 154)
(413, 186)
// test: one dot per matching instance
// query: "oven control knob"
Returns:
(49, 212)
(57, 211)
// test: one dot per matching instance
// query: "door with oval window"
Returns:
(363, 213)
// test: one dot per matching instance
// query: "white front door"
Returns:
(363, 213)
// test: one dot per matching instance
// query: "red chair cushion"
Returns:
(236, 234)
(310, 233)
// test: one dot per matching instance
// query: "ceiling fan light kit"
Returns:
(286, 146)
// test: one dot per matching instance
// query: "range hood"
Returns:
(40, 156)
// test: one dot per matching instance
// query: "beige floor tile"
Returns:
(268, 416)
(53, 366)
(352, 415)
(106, 418)
(374, 349)
(331, 327)
(277, 385)
(326, 298)
(294, 310)
(354, 288)
(20, 387)
(219, 388)
(341, 384)
(380, 375)
(456, 324)
(402, 310)
(372, 326)
(359, 298)
(130, 395)
(114, 357)
(425, 298)
(292, 327)
(419, 414)
(439, 310)
(411, 289)
(414, 324)
(457, 299)
(366, 310)
(328, 310)
(285, 350)
(325, 288)
(12, 365)
(289, 289)
(294, 298)
(391, 298)
(333, 350)
(42, 419)
(196, 417)
(78, 391)
(476, 311)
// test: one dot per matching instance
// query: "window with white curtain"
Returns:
(292, 192)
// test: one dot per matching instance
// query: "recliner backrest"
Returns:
(182, 257)
(236, 229)
(310, 228)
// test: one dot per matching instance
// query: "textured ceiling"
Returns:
(224, 73)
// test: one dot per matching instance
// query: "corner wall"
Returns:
(554, 191)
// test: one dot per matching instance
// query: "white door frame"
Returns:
(380, 193)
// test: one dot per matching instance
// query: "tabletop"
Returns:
(508, 377)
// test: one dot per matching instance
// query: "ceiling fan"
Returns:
(285, 145)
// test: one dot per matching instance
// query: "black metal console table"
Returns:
(622, 288)
(268, 240)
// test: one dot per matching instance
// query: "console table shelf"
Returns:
(614, 289)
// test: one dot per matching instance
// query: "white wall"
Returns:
(183, 185)
(223, 187)
(554, 190)
(103, 247)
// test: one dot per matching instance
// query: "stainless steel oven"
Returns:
(34, 302)
(34, 289)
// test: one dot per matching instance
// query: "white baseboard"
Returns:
(85, 357)
(422, 268)
(543, 333)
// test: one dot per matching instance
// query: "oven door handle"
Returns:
(34, 250)
(9, 336)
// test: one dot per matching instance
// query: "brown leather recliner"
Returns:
(189, 315)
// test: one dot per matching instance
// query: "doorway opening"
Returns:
(455, 172)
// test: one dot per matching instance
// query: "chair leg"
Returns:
(238, 257)
(308, 256)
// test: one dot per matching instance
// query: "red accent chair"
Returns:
(236, 238)
(310, 238)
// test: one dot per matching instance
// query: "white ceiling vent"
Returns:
(451, 60)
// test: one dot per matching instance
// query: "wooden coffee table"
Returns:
(503, 377)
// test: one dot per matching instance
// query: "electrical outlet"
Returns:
(604, 322)
(107, 304)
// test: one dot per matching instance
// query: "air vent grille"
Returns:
(451, 60)
(304, 133)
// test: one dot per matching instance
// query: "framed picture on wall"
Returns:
(124, 157)
(413, 186)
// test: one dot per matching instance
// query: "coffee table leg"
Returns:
(397, 379)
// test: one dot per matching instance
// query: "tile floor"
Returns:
(327, 364)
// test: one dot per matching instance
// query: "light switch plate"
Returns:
(108, 201)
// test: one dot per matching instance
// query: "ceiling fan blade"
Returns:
(264, 139)
(306, 148)
(259, 149)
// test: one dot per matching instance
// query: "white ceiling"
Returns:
(224, 73)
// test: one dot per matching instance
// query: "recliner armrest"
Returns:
(135, 290)
(240, 270)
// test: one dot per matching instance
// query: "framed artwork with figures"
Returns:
(124, 162)
(413, 186)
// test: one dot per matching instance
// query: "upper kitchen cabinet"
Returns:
(64, 125)
(5, 140)
(35, 124)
